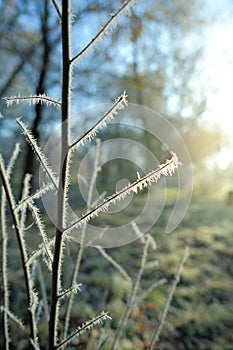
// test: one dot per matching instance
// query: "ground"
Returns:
(200, 316)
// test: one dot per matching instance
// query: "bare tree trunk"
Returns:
(29, 164)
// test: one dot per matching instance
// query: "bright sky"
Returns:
(218, 70)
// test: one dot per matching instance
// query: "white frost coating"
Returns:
(86, 326)
(119, 104)
(44, 189)
(43, 160)
(13, 159)
(168, 168)
(39, 222)
(15, 318)
(33, 99)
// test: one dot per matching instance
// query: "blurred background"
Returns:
(174, 57)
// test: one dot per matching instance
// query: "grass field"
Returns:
(201, 313)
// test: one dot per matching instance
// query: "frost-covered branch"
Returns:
(68, 292)
(112, 22)
(15, 318)
(40, 155)
(39, 222)
(142, 182)
(85, 327)
(120, 103)
(37, 194)
(41, 250)
(4, 231)
(22, 249)
(33, 99)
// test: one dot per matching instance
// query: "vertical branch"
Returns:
(22, 250)
(56, 268)
(3, 226)
(4, 271)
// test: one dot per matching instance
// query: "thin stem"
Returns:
(120, 103)
(54, 2)
(156, 335)
(22, 251)
(66, 72)
(5, 307)
(42, 159)
(142, 182)
(85, 327)
(103, 30)
(119, 267)
(4, 272)
(132, 295)
(34, 99)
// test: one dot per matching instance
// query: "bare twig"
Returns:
(54, 2)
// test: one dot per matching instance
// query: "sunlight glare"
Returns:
(218, 61)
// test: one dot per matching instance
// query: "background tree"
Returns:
(163, 77)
